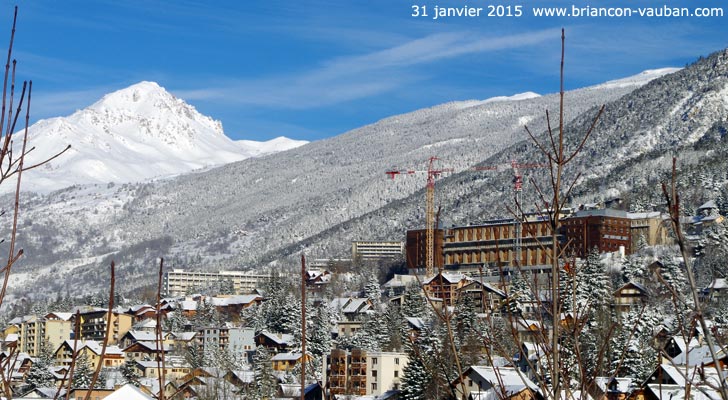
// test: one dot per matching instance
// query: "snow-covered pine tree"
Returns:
(372, 289)
(265, 382)
(632, 353)
(634, 269)
(413, 302)
(416, 379)
(517, 295)
(593, 283)
(40, 374)
(82, 373)
(130, 373)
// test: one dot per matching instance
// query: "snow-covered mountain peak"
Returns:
(139, 96)
(131, 135)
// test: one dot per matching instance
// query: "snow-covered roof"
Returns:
(487, 286)
(96, 348)
(128, 392)
(509, 379)
(184, 336)
(601, 212)
(246, 376)
(136, 308)
(286, 357)
(234, 300)
(400, 281)
(278, 338)
(710, 205)
(142, 335)
(417, 323)
(44, 393)
(93, 346)
(718, 284)
(150, 346)
(149, 323)
(677, 392)
(697, 356)
(169, 362)
(643, 215)
(64, 316)
(188, 305)
(450, 277)
(356, 305)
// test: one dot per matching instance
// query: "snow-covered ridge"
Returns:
(515, 97)
(275, 145)
(132, 135)
(637, 80)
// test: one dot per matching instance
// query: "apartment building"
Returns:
(33, 331)
(375, 250)
(179, 282)
(363, 373)
(94, 323)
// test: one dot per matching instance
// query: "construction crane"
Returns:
(517, 190)
(432, 174)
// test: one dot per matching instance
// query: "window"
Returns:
(396, 361)
(374, 373)
(374, 386)
(374, 361)
(396, 374)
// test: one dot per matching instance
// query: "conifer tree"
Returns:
(415, 379)
(40, 374)
(518, 294)
(265, 381)
(82, 373)
(372, 289)
(413, 303)
(130, 373)
(632, 352)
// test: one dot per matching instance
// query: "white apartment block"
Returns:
(178, 282)
(372, 250)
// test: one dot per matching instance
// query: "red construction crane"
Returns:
(432, 174)
(517, 189)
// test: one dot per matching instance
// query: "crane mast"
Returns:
(432, 174)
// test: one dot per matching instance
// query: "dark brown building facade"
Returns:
(605, 229)
(416, 249)
(489, 244)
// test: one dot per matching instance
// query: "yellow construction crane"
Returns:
(432, 174)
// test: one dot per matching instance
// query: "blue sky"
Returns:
(310, 69)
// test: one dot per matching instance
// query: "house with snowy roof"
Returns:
(351, 308)
(287, 361)
(484, 382)
(629, 296)
(174, 368)
(92, 350)
(128, 392)
(274, 342)
(145, 350)
(716, 290)
(43, 393)
(445, 286)
(671, 382)
(610, 387)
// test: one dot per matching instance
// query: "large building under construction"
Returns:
(492, 244)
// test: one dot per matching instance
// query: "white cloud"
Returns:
(352, 77)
